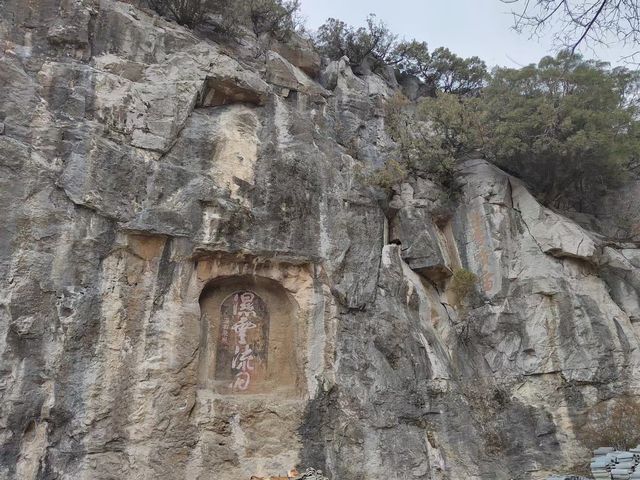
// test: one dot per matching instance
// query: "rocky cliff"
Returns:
(198, 284)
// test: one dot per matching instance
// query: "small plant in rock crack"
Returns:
(615, 423)
(392, 173)
(463, 283)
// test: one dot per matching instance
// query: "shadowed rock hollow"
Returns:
(196, 283)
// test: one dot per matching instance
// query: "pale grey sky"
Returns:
(467, 27)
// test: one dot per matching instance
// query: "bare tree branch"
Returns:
(589, 26)
(581, 23)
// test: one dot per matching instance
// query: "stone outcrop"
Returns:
(149, 174)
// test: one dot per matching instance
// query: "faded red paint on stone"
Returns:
(482, 254)
(243, 341)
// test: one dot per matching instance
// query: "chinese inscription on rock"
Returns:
(243, 339)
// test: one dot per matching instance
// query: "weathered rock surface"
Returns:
(143, 167)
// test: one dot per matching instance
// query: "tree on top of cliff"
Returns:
(275, 17)
(442, 69)
(568, 126)
(336, 39)
(186, 12)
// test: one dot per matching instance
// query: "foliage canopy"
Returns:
(433, 133)
(186, 12)
(567, 126)
(276, 17)
(442, 69)
(376, 44)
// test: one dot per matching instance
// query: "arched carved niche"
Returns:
(249, 341)
(242, 342)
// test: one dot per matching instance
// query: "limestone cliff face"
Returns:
(196, 283)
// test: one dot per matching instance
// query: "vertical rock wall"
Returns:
(145, 167)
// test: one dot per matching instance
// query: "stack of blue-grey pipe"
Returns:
(602, 462)
(636, 455)
(566, 477)
(610, 464)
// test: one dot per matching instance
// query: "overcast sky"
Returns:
(467, 27)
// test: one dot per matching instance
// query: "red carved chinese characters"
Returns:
(241, 357)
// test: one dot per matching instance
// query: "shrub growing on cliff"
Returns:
(276, 17)
(186, 12)
(386, 177)
(434, 132)
(463, 282)
(374, 42)
(616, 424)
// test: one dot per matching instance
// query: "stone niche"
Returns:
(250, 339)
